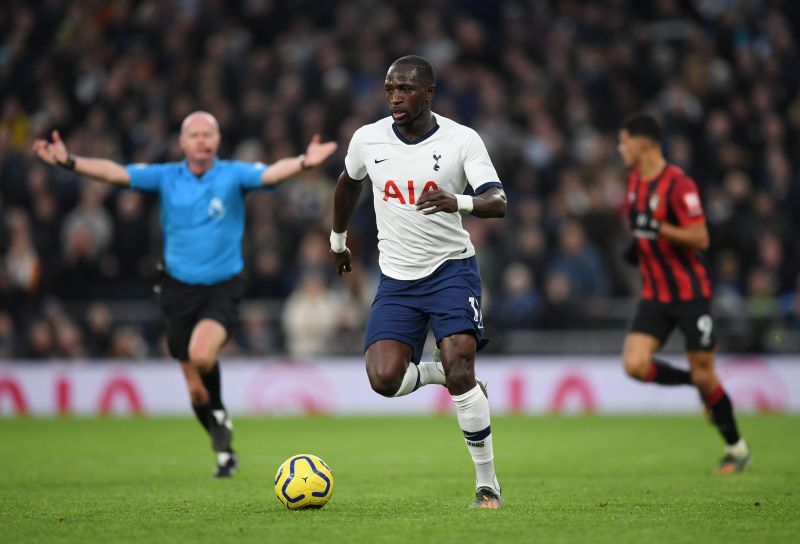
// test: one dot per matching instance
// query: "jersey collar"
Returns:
(418, 140)
(204, 175)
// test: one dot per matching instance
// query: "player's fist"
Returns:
(54, 152)
(342, 262)
(437, 201)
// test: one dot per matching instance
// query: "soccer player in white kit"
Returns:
(419, 164)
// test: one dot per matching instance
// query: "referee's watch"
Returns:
(302, 159)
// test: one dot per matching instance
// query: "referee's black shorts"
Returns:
(692, 317)
(184, 305)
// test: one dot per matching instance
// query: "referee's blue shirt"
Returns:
(202, 216)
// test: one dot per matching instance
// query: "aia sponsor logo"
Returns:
(391, 190)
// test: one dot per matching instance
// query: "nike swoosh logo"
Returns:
(379, 161)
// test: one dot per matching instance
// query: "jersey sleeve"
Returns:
(686, 203)
(478, 166)
(249, 175)
(146, 177)
(354, 160)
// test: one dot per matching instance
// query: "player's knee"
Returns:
(636, 366)
(202, 359)
(704, 380)
(460, 375)
(384, 381)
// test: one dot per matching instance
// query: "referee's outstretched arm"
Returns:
(282, 169)
(55, 153)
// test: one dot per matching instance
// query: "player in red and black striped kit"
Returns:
(669, 229)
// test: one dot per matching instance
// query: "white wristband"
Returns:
(464, 203)
(338, 241)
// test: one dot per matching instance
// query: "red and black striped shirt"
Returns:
(669, 272)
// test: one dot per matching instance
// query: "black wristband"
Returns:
(69, 164)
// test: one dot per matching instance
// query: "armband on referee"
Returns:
(465, 203)
(338, 241)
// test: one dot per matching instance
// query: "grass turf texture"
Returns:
(566, 479)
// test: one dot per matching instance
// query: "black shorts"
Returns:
(692, 317)
(184, 305)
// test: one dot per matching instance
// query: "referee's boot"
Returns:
(221, 430)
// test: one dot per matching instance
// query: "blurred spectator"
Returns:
(580, 263)
(21, 263)
(8, 340)
(98, 327)
(257, 335)
(310, 317)
(562, 310)
(127, 343)
(518, 305)
(41, 340)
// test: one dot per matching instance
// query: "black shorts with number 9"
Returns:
(692, 317)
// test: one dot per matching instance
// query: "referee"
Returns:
(202, 217)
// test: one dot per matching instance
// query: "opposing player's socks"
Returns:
(665, 374)
(739, 449)
(719, 404)
(472, 411)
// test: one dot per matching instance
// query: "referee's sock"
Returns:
(665, 374)
(220, 425)
(213, 383)
(719, 404)
(203, 414)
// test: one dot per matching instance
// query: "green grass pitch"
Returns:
(565, 479)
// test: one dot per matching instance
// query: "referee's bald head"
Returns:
(199, 116)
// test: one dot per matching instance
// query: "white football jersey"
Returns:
(412, 245)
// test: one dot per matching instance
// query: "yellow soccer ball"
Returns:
(304, 481)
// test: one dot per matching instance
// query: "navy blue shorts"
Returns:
(449, 301)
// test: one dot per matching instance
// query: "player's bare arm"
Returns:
(491, 203)
(316, 153)
(345, 198)
(55, 153)
(693, 236)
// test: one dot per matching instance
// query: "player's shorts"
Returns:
(692, 317)
(184, 305)
(449, 301)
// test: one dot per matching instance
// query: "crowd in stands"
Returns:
(544, 83)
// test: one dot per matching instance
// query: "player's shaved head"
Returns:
(202, 116)
(423, 69)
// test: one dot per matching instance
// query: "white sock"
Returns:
(418, 375)
(432, 372)
(739, 449)
(472, 411)
(411, 381)
(223, 457)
